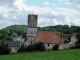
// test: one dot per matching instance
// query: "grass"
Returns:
(47, 55)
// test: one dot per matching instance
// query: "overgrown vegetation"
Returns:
(4, 49)
(16, 30)
(33, 47)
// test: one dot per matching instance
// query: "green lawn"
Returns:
(47, 55)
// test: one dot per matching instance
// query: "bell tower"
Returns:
(31, 28)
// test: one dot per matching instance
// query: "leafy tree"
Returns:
(78, 37)
(4, 48)
(10, 38)
(14, 34)
(7, 49)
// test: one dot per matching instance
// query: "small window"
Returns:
(48, 44)
(15, 49)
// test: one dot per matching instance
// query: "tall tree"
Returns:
(78, 37)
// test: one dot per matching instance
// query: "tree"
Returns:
(7, 49)
(10, 38)
(78, 37)
(4, 48)
(14, 34)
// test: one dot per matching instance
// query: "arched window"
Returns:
(34, 24)
(30, 24)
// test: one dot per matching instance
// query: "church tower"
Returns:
(31, 28)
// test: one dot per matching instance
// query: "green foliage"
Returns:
(36, 47)
(21, 49)
(7, 49)
(14, 30)
(40, 46)
(72, 47)
(10, 38)
(55, 47)
(4, 49)
(78, 37)
(77, 45)
(30, 48)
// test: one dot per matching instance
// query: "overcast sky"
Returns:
(50, 12)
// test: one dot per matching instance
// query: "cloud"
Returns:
(17, 12)
(75, 1)
(67, 3)
(46, 3)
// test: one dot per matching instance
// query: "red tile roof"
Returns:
(23, 35)
(49, 37)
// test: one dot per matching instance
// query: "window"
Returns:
(15, 49)
(48, 44)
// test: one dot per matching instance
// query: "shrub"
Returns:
(30, 48)
(72, 47)
(35, 47)
(4, 49)
(55, 47)
(7, 49)
(21, 49)
(77, 45)
(40, 46)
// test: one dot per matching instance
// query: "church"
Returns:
(32, 35)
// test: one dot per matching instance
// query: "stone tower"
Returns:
(31, 28)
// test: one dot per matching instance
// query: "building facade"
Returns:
(31, 29)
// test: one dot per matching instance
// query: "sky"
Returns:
(50, 12)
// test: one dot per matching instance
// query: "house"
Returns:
(13, 45)
(49, 38)
(70, 40)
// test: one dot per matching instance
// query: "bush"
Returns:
(55, 47)
(72, 47)
(4, 49)
(40, 46)
(30, 48)
(77, 45)
(36, 47)
(21, 49)
(7, 49)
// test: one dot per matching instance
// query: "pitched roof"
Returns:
(49, 37)
(12, 43)
(23, 35)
